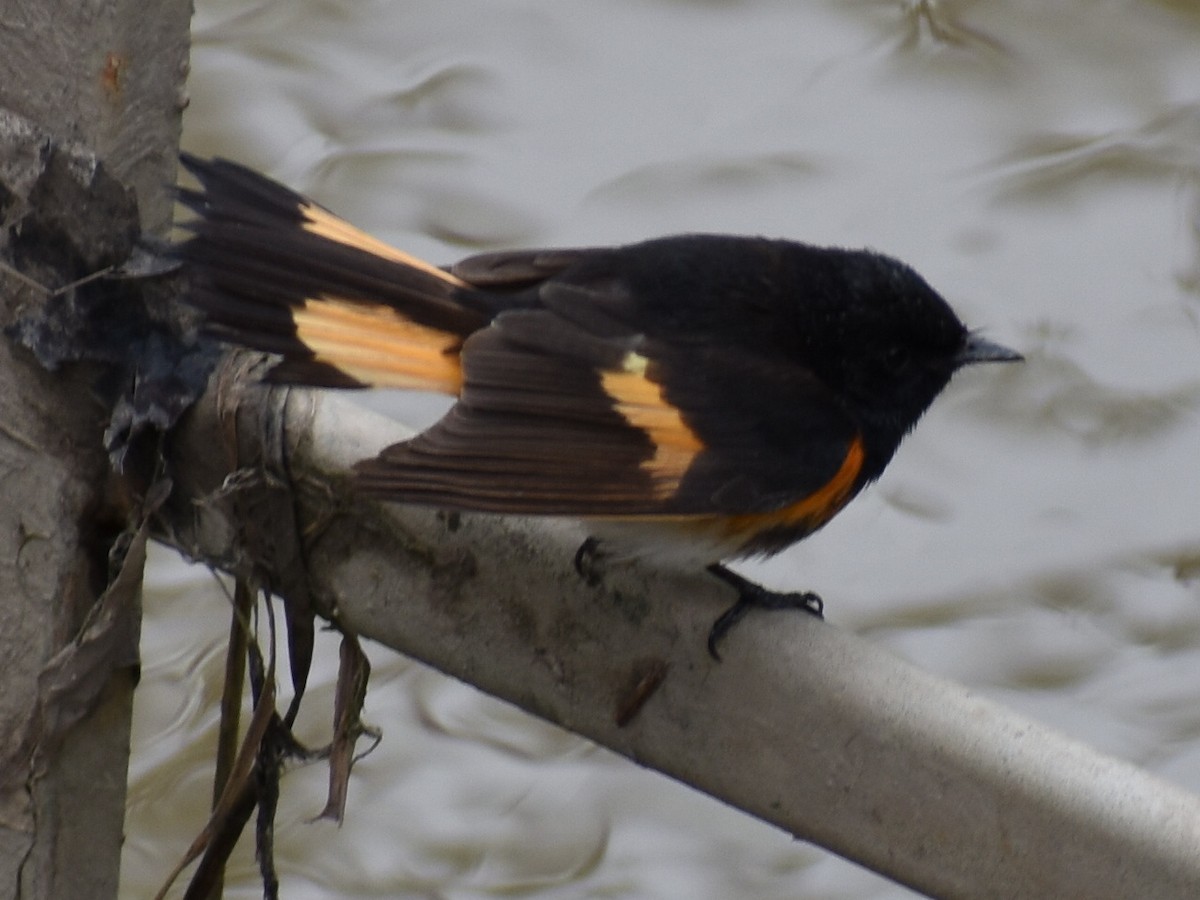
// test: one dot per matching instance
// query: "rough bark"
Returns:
(78, 83)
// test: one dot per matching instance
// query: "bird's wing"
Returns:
(568, 410)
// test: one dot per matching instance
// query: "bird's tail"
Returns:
(274, 271)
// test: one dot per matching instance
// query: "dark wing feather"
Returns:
(519, 268)
(533, 432)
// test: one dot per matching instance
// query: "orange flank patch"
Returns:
(327, 225)
(812, 511)
(641, 403)
(377, 346)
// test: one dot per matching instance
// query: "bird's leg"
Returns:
(755, 595)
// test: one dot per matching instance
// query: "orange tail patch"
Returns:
(321, 221)
(274, 271)
(378, 346)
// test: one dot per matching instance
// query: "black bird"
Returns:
(701, 397)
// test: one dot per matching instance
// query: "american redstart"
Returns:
(704, 397)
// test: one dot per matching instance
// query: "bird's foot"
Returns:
(751, 595)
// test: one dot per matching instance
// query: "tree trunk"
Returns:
(77, 82)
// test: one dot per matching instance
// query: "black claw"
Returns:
(587, 558)
(755, 595)
(724, 622)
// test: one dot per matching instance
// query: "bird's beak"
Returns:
(978, 350)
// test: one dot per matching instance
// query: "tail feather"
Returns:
(274, 271)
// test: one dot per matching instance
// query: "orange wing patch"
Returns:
(378, 346)
(641, 403)
(325, 224)
(810, 512)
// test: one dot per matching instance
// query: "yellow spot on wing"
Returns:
(327, 225)
(378, 346)
(641, 403)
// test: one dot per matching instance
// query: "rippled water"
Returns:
(1038, 537)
